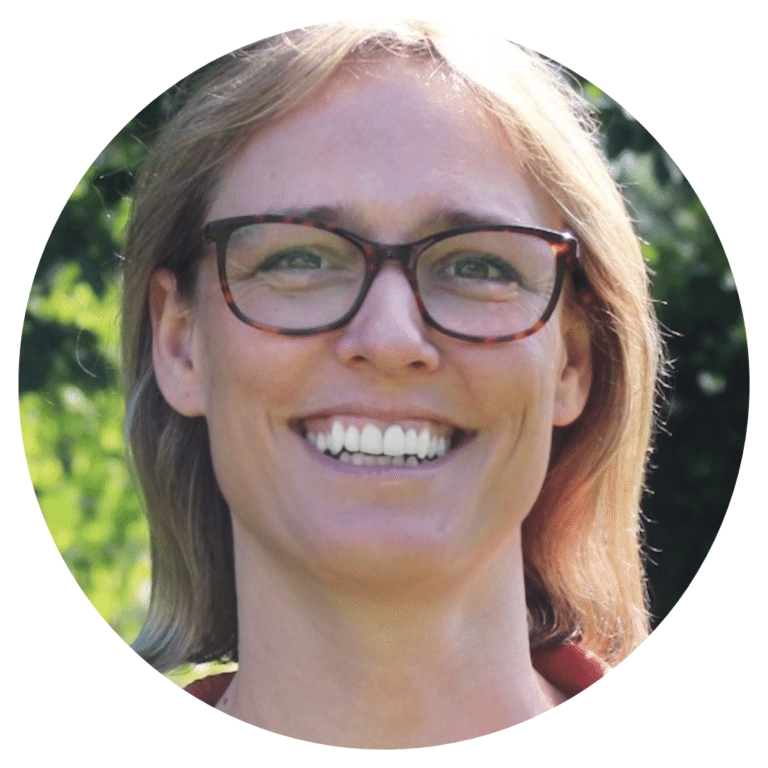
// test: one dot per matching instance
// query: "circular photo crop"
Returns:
(384, 386)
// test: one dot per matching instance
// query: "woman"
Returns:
(391, 364)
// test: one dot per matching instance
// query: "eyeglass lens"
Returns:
(483, 283)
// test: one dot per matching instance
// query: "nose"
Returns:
(388, 332)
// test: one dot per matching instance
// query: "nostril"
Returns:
(366, 342)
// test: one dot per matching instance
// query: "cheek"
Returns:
(253, 370)
(255, 381)
(517, 393)
(515, 380)
(244, 367)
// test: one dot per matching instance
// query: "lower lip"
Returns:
(426, 470)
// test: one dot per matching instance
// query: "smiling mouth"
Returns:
(396, 444)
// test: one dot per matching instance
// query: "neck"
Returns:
(357, 666)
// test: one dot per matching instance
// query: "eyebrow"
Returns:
(322, 214)
(435, 220)
(454, 218)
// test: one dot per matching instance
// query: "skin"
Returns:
(377, 609)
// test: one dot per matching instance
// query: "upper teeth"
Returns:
(393, 441)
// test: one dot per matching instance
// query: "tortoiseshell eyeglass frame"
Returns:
(564, 245)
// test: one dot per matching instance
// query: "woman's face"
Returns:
(396, 154)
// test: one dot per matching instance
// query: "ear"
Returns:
(177, 367)
(575, 379)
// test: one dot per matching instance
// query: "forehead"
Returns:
(379, 140)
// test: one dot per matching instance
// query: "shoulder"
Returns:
(568, 667)
(210, 689)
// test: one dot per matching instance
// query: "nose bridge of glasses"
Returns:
(377, 254)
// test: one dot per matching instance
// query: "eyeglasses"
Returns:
(484, 284)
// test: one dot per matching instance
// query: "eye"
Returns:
(297, 260)
(479, 266)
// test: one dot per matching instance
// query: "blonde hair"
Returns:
(581, 541)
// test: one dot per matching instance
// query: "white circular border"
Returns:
(75, 73)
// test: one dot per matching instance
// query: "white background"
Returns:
(74, 74)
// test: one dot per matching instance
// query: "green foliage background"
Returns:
(72, 409)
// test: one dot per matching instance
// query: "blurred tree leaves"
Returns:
(71, 408)
(70, 402)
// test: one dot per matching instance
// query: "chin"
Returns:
(381, 549)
